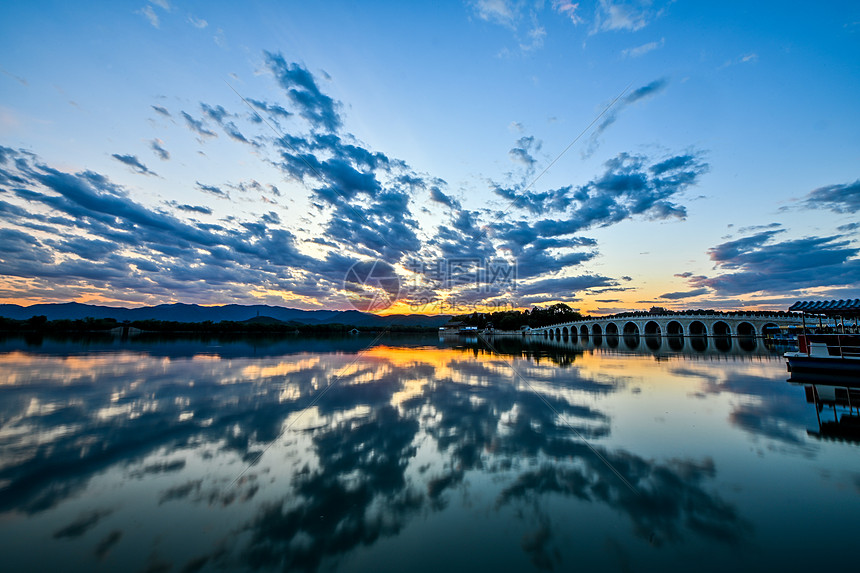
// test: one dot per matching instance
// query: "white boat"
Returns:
(836, 353)
(833, 346)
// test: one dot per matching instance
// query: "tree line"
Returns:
(516, 319)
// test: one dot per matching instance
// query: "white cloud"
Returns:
(569, 9)
(643, 49)
(503, 12)
(197, 22)
(614, 15)
(148, 13)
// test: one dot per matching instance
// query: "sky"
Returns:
(430, 157)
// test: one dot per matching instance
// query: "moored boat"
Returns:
(825, 352)
(832, 347)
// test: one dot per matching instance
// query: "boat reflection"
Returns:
(840, 394)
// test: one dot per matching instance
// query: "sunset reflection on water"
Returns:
(272, 455)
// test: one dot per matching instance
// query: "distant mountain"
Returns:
(263, 320)
(233, 312)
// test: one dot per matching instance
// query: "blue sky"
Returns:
(617, 155)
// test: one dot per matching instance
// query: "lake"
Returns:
(417, 453)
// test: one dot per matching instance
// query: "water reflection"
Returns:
(296, 458)
(836, 400)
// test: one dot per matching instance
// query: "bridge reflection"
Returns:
(652, 341)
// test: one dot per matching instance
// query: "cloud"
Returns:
(631, 15)
(148, 13)
(844, 198)
(569, 9)
(523, 152)
(273, 110)
(611, 116)
(81, 232)
(191, 208)
(438, 196)
(18, 79)
(198, 23)
(214, 190)
(504, 12)
(567, 286)
(760, 264)
(301, 87)
(221, 116)
(629, 187)
(198, 126)
(516, 15)
(101, 240)
(684, 294)
(639, 51)
(133, 162)
(156, 145)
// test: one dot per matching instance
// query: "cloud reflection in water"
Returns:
(390, 446)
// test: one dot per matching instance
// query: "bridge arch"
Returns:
(597, 334)
(698, 328)
(746, 336)
(612, 335)
(583, 331)
(558, 333)
(766, 326)
(631, 335)
(721, 328)
(675, 335)
(652, 328)
(746, 329)
(722, 336)
(564, 332)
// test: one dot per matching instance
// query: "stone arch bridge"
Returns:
(744, 325)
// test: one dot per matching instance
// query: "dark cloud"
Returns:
(611, 116)
(213, 190)
(273, 110)
(191, 208)
(117, 244)
(567, 285)
(301, 87)
(843, 198)
(198, 127)
(161, 111)
(629, 187)
(684, 294)
(133, 162)
(222, 117)
(757, 263)
(437, 195)
(523, 152)
(157, 147)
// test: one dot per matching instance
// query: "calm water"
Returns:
(416, 454)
